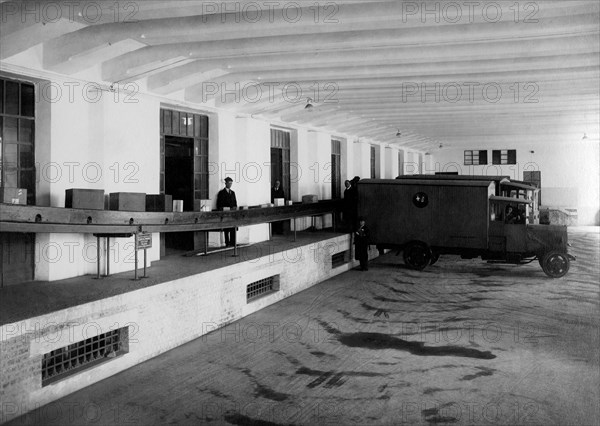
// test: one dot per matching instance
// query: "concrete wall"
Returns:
(159, 318)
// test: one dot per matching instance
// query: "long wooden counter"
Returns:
(35, 219)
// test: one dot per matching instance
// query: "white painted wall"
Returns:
(391, 163)
(253, 155)
(362, 159)
(97, 141)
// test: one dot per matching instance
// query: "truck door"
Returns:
(497, 237)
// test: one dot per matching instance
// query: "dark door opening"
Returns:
(179, 182)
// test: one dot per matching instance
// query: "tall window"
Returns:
(17, 170)
(475, 158)
(336, 173)
(17, 124)
(186, 133)
(280, 159)
(504, 156)
(372, 162)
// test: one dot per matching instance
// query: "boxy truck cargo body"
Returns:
(441, 213)
(505, 186)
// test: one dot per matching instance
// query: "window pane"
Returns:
(512, 156)
(10, 155)
(1, 96)
(27, 103)
(167, 122)
(25, 157)
(12, 98)
(10, 129)
(204, 147)
(175, 121)
(204, 126)
(26, 181)
(495, 157)
(190, 125)
(10, 177)
(483, 157)
(25, 130)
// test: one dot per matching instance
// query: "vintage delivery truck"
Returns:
(428, 217)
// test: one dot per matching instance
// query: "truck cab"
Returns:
(516, 235)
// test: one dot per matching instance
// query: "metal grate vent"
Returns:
(262, 287)
(339, 259)
(69, 360)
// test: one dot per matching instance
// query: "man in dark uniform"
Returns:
(352, 203)
(277, 192)
(362, 242)
(226, 198)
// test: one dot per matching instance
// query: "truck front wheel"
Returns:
(417, 255)
(555, 264)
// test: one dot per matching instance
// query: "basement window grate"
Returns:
(69, 360)
(262, 287)
(339, 259)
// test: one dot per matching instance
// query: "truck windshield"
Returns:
(509, 213)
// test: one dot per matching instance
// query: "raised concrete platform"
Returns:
(462, 342)
(184, 298)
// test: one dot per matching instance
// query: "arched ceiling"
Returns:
(465, 74)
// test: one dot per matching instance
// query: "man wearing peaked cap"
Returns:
(226, 198)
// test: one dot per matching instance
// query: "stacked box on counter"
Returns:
(79, 198)
(159, 203)
(128, 201)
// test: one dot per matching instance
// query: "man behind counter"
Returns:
(277, 192)
(226, 198)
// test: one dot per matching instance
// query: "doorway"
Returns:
(179, 182)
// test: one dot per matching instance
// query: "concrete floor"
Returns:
(463, 342)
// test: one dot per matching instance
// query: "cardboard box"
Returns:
(159, 203)
(13, 195)
(90, 199)
(279, 202)
(128, 201)
(178, 206)
(310, 199)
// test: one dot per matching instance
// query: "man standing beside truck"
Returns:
(361, 242)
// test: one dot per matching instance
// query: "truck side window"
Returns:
(496, 213)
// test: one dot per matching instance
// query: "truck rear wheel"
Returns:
(417, 255)
(555, 264)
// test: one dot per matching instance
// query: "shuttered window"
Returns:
(475, 158)
(504, 156)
